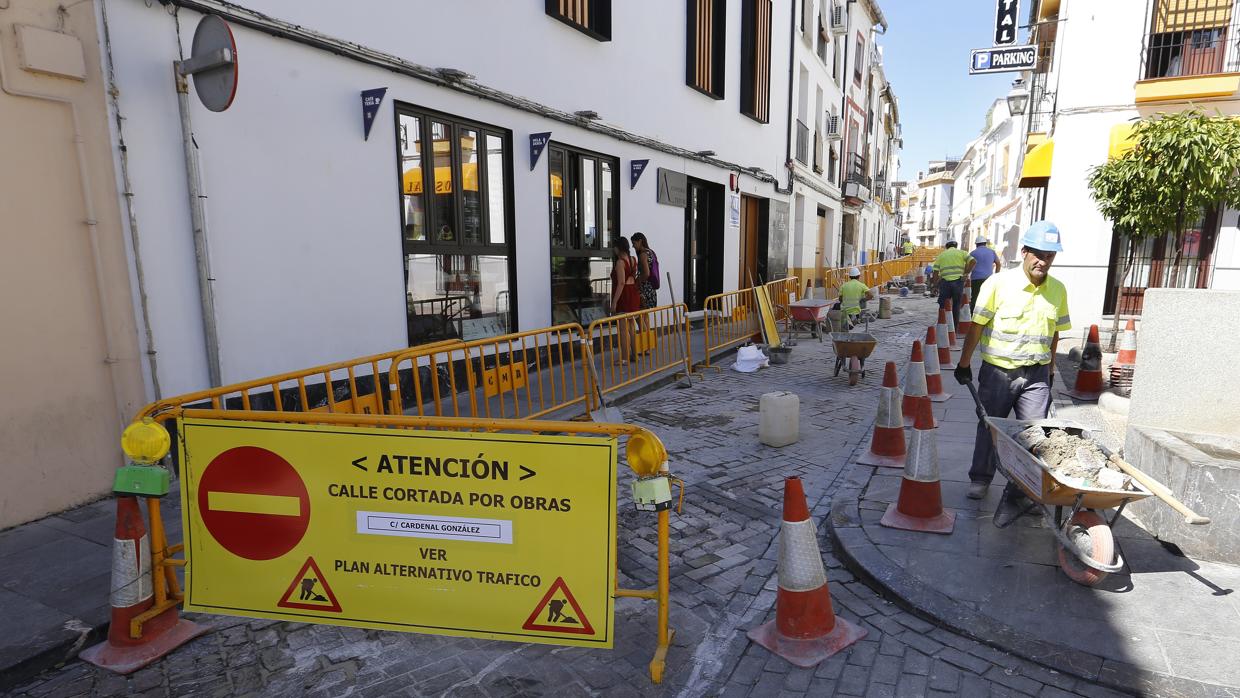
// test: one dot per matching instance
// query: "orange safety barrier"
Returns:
(633, 346)
(730, 318)
(521, 375)
(783, 292)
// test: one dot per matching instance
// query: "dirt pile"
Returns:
(1074, 458)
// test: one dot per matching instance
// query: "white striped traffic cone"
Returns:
(887, 444)
(934, 379)
(1127, 345)
(944, 345)
(131, 596)
(951, 326)
(914, 384)
(919, 506)
(966, 320)
(805, 630)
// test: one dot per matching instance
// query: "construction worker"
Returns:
(986, 263)
(852, 292)
(908, 246)
(950, 268)
(1017, 317)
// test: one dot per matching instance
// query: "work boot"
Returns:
(977, 490)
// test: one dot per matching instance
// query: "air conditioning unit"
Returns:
(837, 19)
(833, 128)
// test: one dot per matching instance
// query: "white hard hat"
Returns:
(853, 271)
(981, 240)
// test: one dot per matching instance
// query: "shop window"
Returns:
(585, 216)
(456, 216)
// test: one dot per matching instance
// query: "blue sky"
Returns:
(926, 59)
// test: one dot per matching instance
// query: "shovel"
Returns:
(684, 340)
(605, 413)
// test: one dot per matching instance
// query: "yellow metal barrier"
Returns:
(731, 318)
(523, 375)
(167, 591)
(633, 346)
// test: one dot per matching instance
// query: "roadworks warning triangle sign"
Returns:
(310, 590)
(558, 612)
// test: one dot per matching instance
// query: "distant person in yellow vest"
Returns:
(1017, 317)
(950, 269)
(852, 292)
(908, 246)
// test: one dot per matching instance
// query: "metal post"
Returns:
(198, 221)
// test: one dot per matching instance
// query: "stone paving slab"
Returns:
(1168, 627)
(724, 559)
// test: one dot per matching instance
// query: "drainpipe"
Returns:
(792, 59)
(92, 234)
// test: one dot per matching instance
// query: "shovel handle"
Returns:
(1161, 491)
(977, 402)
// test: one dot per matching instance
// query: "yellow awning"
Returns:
(1121, 140)
(1185, 15)
(1036, 171)
(1047, 8)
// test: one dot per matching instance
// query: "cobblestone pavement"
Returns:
(724, 555)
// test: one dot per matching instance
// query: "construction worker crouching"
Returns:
(950, 269)
(852, 292)
(1017, 317)
(908, 247)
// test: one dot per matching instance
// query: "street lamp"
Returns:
(1018, 98)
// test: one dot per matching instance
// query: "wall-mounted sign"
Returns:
(538, 141)
(673, 188)
(371, 99)
(734, 210)
(636, 168)
(1006, 14)
(1002, 60)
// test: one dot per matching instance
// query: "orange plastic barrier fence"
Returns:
(730, 318)
(634, 346)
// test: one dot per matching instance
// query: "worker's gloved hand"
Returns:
(963, 374)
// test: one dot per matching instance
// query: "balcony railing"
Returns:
(802, 142)
(1186, 39)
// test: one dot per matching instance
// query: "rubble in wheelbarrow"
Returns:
(1074, 458)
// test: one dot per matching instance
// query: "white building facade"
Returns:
(986, 201)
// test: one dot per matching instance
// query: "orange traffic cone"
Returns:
(805, 630)
(914, 384)
(940, 332)
(966, 320)
(920, 504)
(887, 444)
(934, 380)
(1127, 345)
(1089, 376)
(131, 596)
(951, 326)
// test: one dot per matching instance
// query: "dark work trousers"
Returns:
(1024, 389)
(953, 291)
(977, 288)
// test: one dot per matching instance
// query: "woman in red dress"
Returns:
(625, 297)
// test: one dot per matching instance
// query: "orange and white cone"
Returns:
(914, 384)
(940, 333)
(131, 596)
(1127, 346)
(1088, 384)
(887, 444)
(934, 379)
(966, 319)
(805, 630)
(951, 326)
(919, 506)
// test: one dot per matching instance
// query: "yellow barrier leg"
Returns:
(665, 633)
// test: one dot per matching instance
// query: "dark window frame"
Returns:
(507, 248)
(599, 25)
(756, 87)
(718, 46)
(568, 183)
(860, 55)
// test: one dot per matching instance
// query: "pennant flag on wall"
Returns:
(636, 168)
(538, 141)
(371, 99)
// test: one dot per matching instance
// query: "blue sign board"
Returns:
(371, 99)
(538, 141)
(636, 168)
(1006, 59)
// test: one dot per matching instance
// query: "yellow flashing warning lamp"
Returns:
(646, 454)
(145, 443)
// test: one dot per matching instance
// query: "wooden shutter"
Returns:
(705, 44)
(756, 59)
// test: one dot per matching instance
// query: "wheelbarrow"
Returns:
(1086, 546)
(808, 314)
(850, 345)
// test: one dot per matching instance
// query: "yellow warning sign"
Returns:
(499, 536)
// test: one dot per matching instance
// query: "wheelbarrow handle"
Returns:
(977, 402)
(1160, 490)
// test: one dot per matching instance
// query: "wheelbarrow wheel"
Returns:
(1092, 537)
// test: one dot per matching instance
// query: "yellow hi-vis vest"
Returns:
(851, 293)
(1019, 320)
(950, 263)
(908, 247)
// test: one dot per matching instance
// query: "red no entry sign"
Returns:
(253, 503)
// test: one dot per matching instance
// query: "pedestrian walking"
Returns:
(890, 252)
(647, 271)
(624, 295)
(950, 268)
(986, 263)
(1017, 317)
